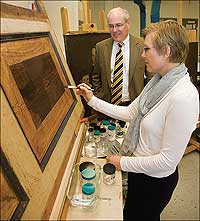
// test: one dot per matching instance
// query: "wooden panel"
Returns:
(40, 147)
(38, 95)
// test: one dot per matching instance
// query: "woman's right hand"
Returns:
(85, 91)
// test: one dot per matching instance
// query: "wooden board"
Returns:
(38, 95)
(40, 117)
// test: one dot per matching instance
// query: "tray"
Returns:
(74, 188)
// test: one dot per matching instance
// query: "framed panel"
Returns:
(35, 83)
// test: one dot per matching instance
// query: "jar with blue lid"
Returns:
(105, 123)
(88, 190)
(88, 175)
(111, 133)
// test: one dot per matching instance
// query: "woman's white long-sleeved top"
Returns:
(164, 131)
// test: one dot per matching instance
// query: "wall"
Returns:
(53, 11)
(167, 9)
(190, 10)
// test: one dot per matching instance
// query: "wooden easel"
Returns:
(88, 25)
(191, 33)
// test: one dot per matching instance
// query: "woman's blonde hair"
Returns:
(169, 33)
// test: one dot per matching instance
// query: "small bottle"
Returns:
(96, 136)
(103, 142)
(90, 134)
(99, 121)
(97, 140)
(90, 146)
(111, 133)
(120, 129)
(88, 190)
(109, 173)
(105, 123)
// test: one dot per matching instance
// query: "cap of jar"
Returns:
(88, 188)
(91, 129)
(86, 165)
(96, 132)
(111, 127)
(102, 130)
(88, 174)
(109, 168)
(113, 124)
(92, 124)
(122, 123)
(105, 122)
(97, 127)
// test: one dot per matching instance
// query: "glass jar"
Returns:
(105, 123)
(97, 139)
(89, 145)
(88, 190)
(96, 136)
(88, 174)
(111, 133)
(120, 129)
(103, 142)
(109, 173)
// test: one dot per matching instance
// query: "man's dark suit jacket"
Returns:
(101, 76)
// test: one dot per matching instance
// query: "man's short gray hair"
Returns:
(119, 10)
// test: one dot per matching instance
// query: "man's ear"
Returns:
(128, 22)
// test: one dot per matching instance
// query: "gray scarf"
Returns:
(153, 92)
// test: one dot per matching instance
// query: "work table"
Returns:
(109, 206)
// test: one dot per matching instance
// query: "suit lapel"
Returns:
(133, 58)
(108, 53)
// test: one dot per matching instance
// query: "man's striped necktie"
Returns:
(117, 83)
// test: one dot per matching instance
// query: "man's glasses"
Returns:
(118, 26)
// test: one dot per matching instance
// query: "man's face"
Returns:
(118, 27)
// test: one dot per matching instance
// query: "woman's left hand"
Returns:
(114, 159)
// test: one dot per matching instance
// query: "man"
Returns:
(133, 66)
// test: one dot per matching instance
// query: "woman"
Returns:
(162, 119)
